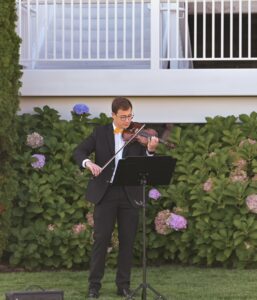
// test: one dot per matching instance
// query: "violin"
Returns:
(143, 136)
(136, 132)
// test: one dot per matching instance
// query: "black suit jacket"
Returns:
(101, 142)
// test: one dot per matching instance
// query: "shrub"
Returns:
(206, 216)
(215, 188)
(49, 218)
(9, 86)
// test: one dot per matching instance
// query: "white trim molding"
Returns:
(151, 109)
(182, 82)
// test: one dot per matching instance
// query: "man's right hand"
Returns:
(94, 169)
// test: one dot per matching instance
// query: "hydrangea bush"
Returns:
(214, 187)
(51, 220)
(206, 216)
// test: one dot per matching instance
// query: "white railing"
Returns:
(135, 34)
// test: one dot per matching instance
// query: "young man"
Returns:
(112, 203)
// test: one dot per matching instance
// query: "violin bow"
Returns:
(136, 133)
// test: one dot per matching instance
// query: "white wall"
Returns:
(182, 82)
(152, 109)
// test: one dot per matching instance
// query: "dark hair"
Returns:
(120, 103)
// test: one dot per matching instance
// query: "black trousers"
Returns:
(114, 207)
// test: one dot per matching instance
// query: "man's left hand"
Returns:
(152, 144)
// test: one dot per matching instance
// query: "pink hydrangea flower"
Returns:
(251, 202)
(238, 175)
(207, 186)
(247, 245)
(160, 221)
(240, 163)
(178, 209)
(249, 141)
(90, 219)
(51, 227)
(78, 228)
(212, 154)
(154, 194)
(35, 140)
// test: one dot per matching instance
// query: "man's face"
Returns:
(122, 118)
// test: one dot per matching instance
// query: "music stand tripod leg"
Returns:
(133, 293)
(159, 296)
(144, 284)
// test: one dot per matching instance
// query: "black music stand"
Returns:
(144, 170)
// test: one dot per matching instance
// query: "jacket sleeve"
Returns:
(84, 149)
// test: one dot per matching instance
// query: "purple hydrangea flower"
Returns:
(154, 194)
(40, 162)
(81, 109)
(176, 222)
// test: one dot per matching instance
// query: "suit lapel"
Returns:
(110, 138)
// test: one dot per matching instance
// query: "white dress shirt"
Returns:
(119, 143)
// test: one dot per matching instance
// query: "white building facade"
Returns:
(178, 61)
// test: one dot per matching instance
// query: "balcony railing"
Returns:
(137, 34)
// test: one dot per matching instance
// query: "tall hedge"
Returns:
(9, 104)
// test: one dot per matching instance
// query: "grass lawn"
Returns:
(173, 282)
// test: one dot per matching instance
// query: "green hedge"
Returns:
(9, 86)
(214, 188)
(49, 224)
